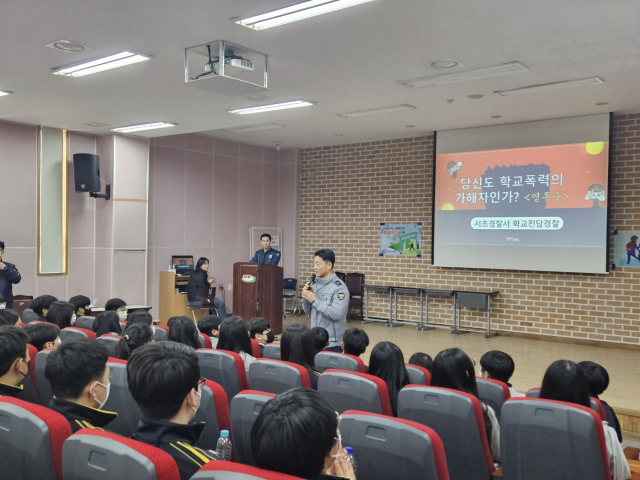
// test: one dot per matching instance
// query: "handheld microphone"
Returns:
(312, 281)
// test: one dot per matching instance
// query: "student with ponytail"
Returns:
(134, 336)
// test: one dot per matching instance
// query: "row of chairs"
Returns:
(539, 439)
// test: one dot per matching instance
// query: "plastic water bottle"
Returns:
(223, 449)
(351, 459)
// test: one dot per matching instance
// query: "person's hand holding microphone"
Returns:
(307, 292)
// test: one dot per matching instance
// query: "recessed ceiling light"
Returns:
(259, 97)
(299, 11)
(68, 46)
(272, 107)
(445, 64)
(377, 111)
(410, 126)
(602, 103)
(496, 116)
(338, 134)
(475, 96)
(255, 128)
(139, 127)
(4, 92)
(101, 64)
(447, 78)
(546, 87)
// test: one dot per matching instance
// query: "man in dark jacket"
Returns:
(266, 254)
(9, 275)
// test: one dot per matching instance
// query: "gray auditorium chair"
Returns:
(69, 333)
(85, 322)
(44, 389)
(234, 471)
(244, 410)
(276, 376)
(29, 316)
(596, 404)
(458, 420)
(552, 440)
(418, 375)
(204, 340)
(160, 333)
(224, 368)
(121, 401)
(97, 455)
(271, 351)
(214, 412)
(109, 340)
(386, 447)
(339, 361)
(31, 437)
(355, 391)
(493, 393)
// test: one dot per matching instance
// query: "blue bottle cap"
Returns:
(349, 450)
(224, 433)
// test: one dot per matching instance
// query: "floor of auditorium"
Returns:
(532, 357)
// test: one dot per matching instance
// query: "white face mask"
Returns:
(106, 397)
(3, 306)
(122, 315)
(73, 319)
(195, 409)
(339, 449)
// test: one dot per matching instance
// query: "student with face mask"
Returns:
(78, 374)
(260, 331)
(117, 305)
(14, 360)
(9, 276)
(164, 380)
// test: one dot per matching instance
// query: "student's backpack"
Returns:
(631, 246)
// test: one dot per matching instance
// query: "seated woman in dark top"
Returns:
(296, 433)
(296, 346)
(387, 363)
(200, 279)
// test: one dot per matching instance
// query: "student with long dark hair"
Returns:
(564, 381)
(43, 335)
(598, 381)
(296, 346)
(139, 317)
(107, 322)
(296, 433)
(41, 304)
(234, 337)
(183, 330)
(387, 362)
(61, 314)
(201, 279)
(134, 336)
(453, 369)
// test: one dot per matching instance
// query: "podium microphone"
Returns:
(312, 281)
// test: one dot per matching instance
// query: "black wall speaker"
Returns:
(86, 171)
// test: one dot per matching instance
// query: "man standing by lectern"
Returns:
(266, 254)
(327, 299)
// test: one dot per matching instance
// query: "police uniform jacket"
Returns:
(8, 277)
(80, 417)
(10, 390)
(329, 309)
(177, 440)
(270, 257)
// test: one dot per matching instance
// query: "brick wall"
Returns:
(347, 190)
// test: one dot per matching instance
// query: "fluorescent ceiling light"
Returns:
(143, 126)
(377, 111)
(444, 79)
(546, 87)
(272, 107)
(3, 93)
(101, 64)
(255, 128)
(296, 12)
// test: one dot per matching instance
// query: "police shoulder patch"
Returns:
(341, 296)
(338, 282)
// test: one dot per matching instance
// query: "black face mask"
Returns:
(270, 337)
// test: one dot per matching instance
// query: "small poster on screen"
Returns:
(626, 249)
(403, 239)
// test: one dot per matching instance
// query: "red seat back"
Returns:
(255, 348)
(250, 473)
(31, 440)
(69, 333)
(214, 412)
(205, 341)
(225, 368)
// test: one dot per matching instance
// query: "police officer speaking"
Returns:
(327, 300)
(266, 254)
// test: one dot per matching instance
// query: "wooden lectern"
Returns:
(257, 292)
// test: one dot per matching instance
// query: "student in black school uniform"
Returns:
(14, 360)
(297, 433)
(134, 337)
(598, 380)
(355, 342)
(260, 331)
(296, 346)
(210, 325)
(320, 339)
(497, 365)
(10, 317)
(164, 380)
(420, 359)
(43, 335)
(79, 377)
(81, 305)
(41, 304)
